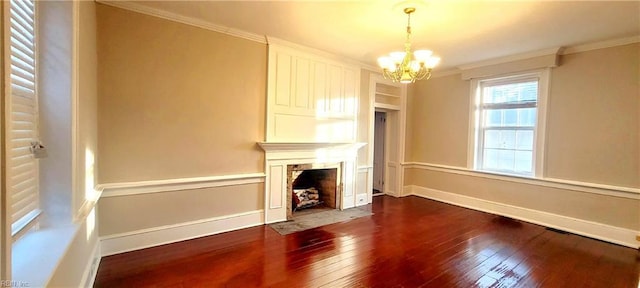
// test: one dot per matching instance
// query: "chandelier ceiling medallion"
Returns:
(407, 66)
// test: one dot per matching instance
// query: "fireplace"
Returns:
(283, 159)
(312, 187)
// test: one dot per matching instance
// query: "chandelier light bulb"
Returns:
(397, 57)
(422, 55)
(386, 63)
(415, 66)
(432, 62)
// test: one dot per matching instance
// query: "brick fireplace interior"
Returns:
(311, 188)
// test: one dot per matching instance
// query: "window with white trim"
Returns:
(509, 123)
(22, 126)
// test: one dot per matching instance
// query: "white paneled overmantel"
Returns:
(281, 154)
(311, 95)
(312, 115)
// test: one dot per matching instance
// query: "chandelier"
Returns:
(407, 66)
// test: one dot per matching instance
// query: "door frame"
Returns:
(375, 149)
(396, 126)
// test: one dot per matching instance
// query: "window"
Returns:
(508, 124)
(22, 167)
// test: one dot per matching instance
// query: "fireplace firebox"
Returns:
(312, 186)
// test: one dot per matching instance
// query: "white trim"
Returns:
(474, 101)
(601, 45)
(24, 224)
(587, 187)
(365, 167)
(511, 58)
(444, 73)
(136, 7)
(316, 52)
(87, 206)
(75, 108)
(150, 237)
(386, 106)
(542, 76)
(371, 68)
(308, 146)
(91, 269)
(613, 234)
(562, 51)
(540, 131)
(157, 186)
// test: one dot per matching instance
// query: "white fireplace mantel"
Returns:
(280, 154)
(285, 150)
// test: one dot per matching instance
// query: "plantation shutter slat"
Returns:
(23, 104)
(17, 62)
(20, 41)
(21, 91)
(24, 76)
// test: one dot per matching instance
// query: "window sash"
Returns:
(482, 127)
(481, 149)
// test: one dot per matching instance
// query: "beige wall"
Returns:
(129, 213)
(175, 100)
(592, 124)
(615, 211)
(438, 121)
(592, 136)
(593, 120)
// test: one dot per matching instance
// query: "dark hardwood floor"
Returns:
(408, 242)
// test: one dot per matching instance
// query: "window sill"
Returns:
(498, 173)
(35, 256)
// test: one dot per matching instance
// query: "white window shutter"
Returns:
(22, 167)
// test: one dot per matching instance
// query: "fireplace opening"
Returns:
(312, 189)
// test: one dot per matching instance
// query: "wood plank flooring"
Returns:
(408, 242)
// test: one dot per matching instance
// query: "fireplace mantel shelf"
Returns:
(307, 146)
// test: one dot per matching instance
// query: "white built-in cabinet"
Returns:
(311, 98)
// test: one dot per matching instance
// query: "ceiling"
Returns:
(460, 32)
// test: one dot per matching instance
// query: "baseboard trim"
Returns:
(145, 238)
(178, 184)
(617, 235)
(586, 187)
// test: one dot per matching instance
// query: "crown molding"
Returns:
(511, 58)
(306, 49)
(443, 73)
(550, 51)
(601, 45)
(136, 7)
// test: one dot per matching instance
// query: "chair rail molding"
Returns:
(156, 186)
(587, 187)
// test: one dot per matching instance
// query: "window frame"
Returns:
(476, 127)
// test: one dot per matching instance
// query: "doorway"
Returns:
(378, 152)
